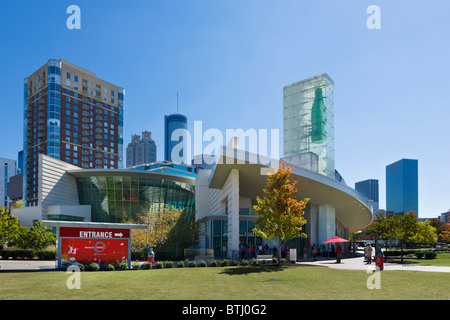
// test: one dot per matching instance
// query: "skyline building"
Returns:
(402, 187)
(172, 123)
(141, 150)
(8, 169)
(73, 116)
(308, 123)
(369, 189)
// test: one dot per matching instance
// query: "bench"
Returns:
(264, 257)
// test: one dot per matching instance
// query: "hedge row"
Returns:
(51, 254)
(419, 253)
(27, 254)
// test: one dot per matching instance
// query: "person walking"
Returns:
(369, 254)
(338, 253)
(314, 252)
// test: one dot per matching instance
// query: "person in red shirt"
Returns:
(338, 253)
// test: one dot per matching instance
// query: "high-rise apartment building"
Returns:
(308, 123)
(172, 123)
(141, 150)
(73, 116)
(369, 189)
(402, 187)
(8, 169)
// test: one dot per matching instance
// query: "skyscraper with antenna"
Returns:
(172, 123)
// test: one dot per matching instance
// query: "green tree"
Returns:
(402, 228)
(425, 234)
(280, 214)
(9, 227)
(36, 237)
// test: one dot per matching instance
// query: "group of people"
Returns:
(321, 251)
(249, 252)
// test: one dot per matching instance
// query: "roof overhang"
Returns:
(80, 173)
(352, 209)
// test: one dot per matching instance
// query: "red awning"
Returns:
(335, 239)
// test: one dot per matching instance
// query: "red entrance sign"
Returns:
(86, 251)
(99, 233)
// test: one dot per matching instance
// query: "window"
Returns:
(68, 83)
(75, 78)
(68, 75)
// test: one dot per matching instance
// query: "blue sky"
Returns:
(229, 59)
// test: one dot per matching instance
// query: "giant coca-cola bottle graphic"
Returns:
(318, 118)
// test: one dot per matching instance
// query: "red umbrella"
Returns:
(335, 239)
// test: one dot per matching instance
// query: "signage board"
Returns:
(93, 245)
(293, 254)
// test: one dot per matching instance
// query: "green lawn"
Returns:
(226, 283)
(442, 260)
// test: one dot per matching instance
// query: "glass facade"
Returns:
(173, 122)
(308, 120)
(402, 187)
(53, 109)
(115, 198)
(369, 189)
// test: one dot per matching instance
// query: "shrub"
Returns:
(201, 263)
(244, 262)
(254, 262)
(123, 265)
(263, 261)
(234, 262)
(430, 254)
(283, 260)
(94, 266)
(224, 263)
(135, 265)
(419, 254)
(293, 261)
(110, 267)
(191, 264)
(45, 254)
(168, 264)
(17, 254)
(147, 265)
(274, 260)
(180, 264)
(213, 263)
(159, 265)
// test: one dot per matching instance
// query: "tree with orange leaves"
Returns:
(280, 214)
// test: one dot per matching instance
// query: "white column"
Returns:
(326, 223)
(233, 214)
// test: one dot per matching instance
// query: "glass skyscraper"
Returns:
(402, 187)
(171, 123)
(369, 189)
(308, 121)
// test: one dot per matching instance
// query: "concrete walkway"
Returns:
(27, 265)
(358, 263)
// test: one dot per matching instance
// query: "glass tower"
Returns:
(369, 189)
(308, 120)
(402, 187)
(171, 123)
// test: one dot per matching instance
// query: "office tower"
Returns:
(369, 189)
(402, 187)
(8, 169)
(175, 136)
(73, 116)
(308, 125)
(141, 151)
